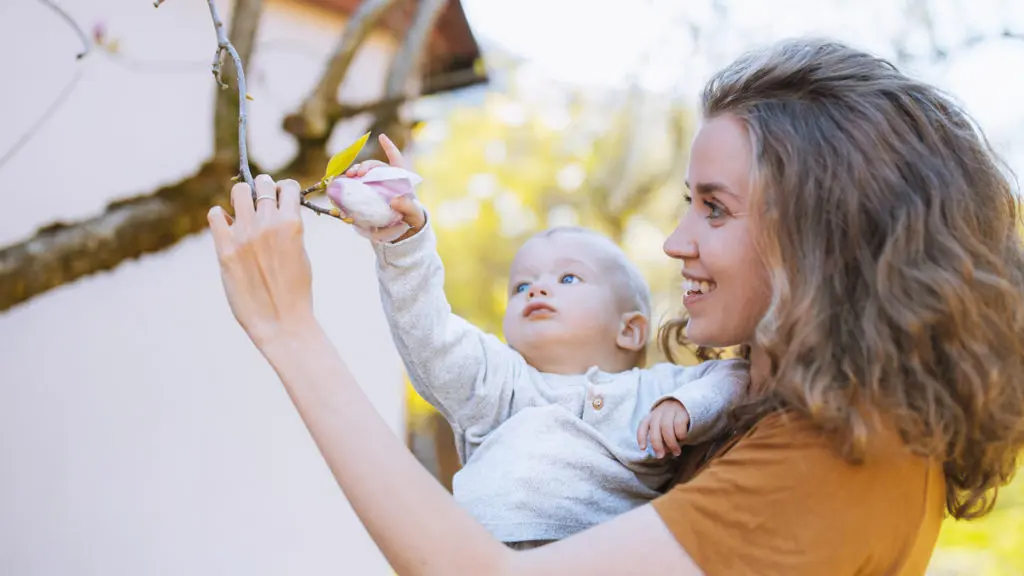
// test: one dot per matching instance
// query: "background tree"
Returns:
(63, 252)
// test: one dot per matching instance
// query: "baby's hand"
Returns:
(412, 212)
(667, 425)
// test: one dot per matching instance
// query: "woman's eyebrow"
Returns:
(709, 188)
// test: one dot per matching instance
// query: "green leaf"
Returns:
(342, 160)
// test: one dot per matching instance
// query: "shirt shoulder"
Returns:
(781, 500)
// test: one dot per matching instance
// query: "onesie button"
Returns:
(597, 403)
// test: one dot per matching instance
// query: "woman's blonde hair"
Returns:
(893, 242)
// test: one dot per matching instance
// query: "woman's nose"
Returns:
(680, 244)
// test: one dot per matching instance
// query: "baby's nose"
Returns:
(538, 291)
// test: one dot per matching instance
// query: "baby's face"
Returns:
(565, 300)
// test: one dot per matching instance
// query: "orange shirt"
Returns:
(781, 501)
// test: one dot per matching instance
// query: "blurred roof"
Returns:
(452, 51)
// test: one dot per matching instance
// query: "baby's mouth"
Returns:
(538, 308)
(696, 287)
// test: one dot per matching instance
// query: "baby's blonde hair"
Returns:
(635, 290)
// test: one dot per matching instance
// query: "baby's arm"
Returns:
(468, 375)
(703, 392)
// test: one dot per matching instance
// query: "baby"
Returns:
(559, 429)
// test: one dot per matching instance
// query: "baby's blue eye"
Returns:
(569, 279)
(521, 287)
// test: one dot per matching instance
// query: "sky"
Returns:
(603, 43)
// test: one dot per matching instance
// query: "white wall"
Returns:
(140, 432)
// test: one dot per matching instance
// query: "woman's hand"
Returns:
(263, 262)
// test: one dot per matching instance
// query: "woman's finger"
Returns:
(220, 227)
(266, 195)
(241, 203)
(289, 197)
(393, 153)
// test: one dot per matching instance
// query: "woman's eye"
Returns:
(714, 210)
(521, 287)
(569, 279)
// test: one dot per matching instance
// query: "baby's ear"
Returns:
(633, 329)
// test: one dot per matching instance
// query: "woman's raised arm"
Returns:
(414, 521)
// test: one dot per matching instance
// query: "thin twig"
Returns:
(45, 117)
(332, 211)
(223, 44)
(314, 188)
(51, 110)
(86, 45)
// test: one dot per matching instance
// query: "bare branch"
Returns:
(676, 163)
(918, 13)
(61, 253)
(404, 66)
(62, 96)
(86, 45)
(315, 123)
(246, 14)
(389, 105)
(44, 118)
(619, 151)
(385, 111)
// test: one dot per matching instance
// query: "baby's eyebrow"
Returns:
(569, 262)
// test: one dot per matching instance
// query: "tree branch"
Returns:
(404, 67)
(62, 96)
(312, 121)
(919, 13)
(61, 253)
(676, 163)
(43, 118)
(337, 111)
(243, 15)
(86, 45)
(229, 113)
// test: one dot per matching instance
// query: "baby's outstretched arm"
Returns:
(467, 374)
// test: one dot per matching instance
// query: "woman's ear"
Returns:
(633, 331)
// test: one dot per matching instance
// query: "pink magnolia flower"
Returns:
(367, 199)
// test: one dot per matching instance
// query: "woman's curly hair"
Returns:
(893, 239)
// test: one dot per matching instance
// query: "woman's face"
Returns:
(726, 286)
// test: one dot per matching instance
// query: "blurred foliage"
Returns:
(990, 546)
(533, 156)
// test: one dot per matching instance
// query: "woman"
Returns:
(859, 239)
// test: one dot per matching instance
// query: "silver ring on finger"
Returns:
(266, 197)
